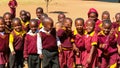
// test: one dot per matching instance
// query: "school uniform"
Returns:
(16, 41)
(30, 50)
(109, 52)
(80, 44)
(90, 40)
(49, 49)
(12, 5)
(4, 40)
(39, 23)
(25, 26)
(66, 57)
(118, 32)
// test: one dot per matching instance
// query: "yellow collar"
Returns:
(91, 34)
(19, 33)
(24, 23)
(101, 33)
(75, 32)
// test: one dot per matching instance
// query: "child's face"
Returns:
(79, 25)
(58, 26)
(106, 28)
(92, 16)
(17, 25)
(23, 16)
(39, 13)
(8, 19)
(48, 25)
(89, 26)
(28, 16)
(105, 17)
(33, 26)
(2, 26)
(61, 17)
(117, 18)
(68, 24)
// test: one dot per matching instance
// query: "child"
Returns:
(91, 53)
(105, 15)
(28, 16)
(58, 26)
(16, 40)
(8, 25)
(65, 35)
(4, 41)
(93, 14)
(30, 45)
(61, 17)
(13, 4)
(49, 47)
(41, 19)
(107, 43)
(116, 24)
(24, 20)
(117, 29)
(39, 11)
(79, 41)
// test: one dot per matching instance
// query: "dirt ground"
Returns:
(71, 8)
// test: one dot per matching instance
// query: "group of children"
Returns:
(93, 44)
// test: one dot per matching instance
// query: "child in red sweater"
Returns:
(4, 40)
(30, 46)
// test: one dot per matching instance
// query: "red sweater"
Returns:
(4, 42)
(18, 42)
(30, 45)
(49, 41)
(65, 38)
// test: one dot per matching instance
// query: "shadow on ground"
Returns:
(112, 1)
(58, 12)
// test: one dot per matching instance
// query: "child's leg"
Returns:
(46, 58)
(34, 61)
(70, 58)
(2, 65)
(12, 61)
(55, 61)
(19, 59)
(62, 59)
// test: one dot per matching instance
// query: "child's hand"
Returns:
(60, 48)
(77, 53)
(26, 59)
(118, 46)
(41, 56)
(75, 48)
(13, 53)
(103, 46)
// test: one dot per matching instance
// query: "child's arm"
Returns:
(75, 49)
(59, 44)
(11, 39)
(118, 46)
(39, 45)
(26, 48)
